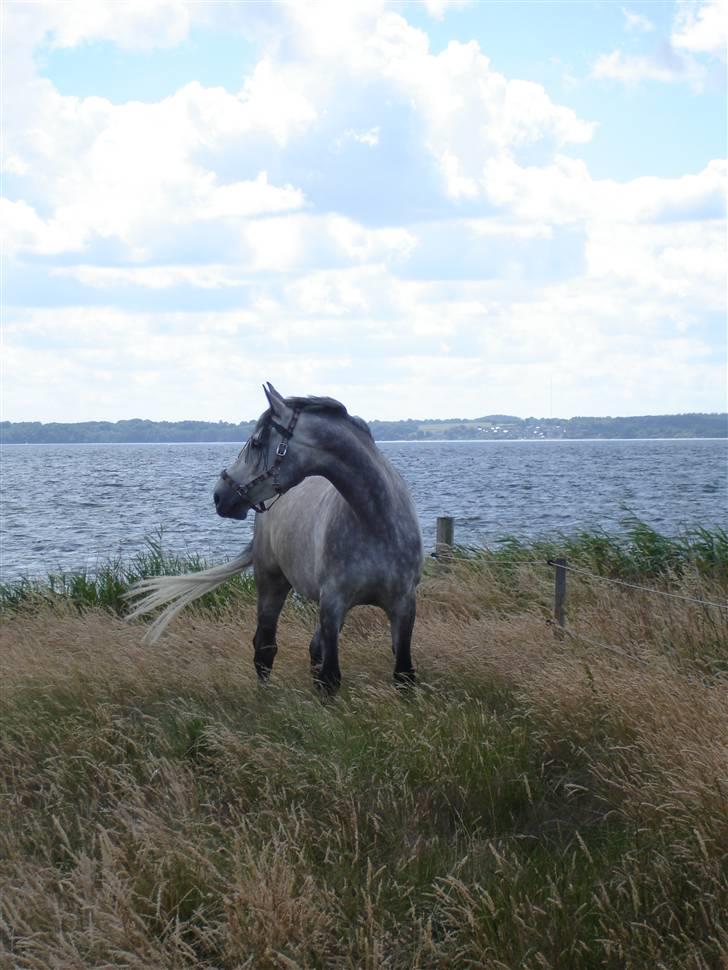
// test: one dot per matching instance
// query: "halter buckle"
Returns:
(282, 449)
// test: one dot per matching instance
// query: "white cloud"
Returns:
(290, 244)
(210, 276)
(92, 180)
(394, 311)
(438, 8)
(125, 171)
(701, 27)
(371, 245)
(635, 68)
(21, 228)
(272, 101)
(675, 261)
(132, 25)
(329, 29)
(624, 330)
(637, 22)
(470, 111)
(514, 230)
(248, 199)
(370, 137)
(564, 192)
(458, 88)
(327, 293)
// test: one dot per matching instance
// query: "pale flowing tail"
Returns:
(177, 591)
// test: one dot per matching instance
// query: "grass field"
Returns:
(535, 803)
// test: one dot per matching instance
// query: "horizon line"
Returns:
(481, 417)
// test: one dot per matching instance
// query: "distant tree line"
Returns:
(492, 426)
(122, 432)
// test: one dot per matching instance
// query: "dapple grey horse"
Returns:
(341, 530)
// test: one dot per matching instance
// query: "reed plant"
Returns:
(636, 553)
(106, 584)
(535, 802)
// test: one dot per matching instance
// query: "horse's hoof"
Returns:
(263, 661)
(404, 679)
(327, 684)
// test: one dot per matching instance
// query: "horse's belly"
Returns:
(288, 537)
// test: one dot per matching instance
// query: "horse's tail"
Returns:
(175, 592)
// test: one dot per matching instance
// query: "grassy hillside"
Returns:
(535, 803)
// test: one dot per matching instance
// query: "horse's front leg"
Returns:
(402, 621)
(272, 592)
(314, 650)
(325, 646)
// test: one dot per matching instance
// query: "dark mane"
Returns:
(313, 403)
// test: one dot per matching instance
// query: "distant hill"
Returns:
(490, 426)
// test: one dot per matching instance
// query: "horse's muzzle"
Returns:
(228, 504)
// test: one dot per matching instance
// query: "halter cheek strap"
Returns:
(244, 490)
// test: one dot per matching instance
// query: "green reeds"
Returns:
(106, 584)
(637, 553)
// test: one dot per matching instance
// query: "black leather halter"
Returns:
(244, 490)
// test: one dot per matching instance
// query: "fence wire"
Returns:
(445, 557)
(646, 589)
(620, 651)
(441, 556)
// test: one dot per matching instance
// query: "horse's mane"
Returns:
(313, 403)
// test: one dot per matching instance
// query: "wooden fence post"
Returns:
(559, 595)
(445, 538)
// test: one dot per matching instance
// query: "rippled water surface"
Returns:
(67, 506)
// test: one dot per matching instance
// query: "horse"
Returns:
(334, 521)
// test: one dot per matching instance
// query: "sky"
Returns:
(436, 209)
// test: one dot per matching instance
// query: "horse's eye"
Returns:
(257, 439)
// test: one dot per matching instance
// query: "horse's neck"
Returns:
(357, 470)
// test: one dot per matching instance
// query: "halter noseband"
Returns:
(244, 490)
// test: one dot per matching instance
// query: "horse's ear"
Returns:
(275, 399)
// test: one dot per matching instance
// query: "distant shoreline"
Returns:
(492, 427)
(380, 441)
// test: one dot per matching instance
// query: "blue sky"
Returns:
(423, 209)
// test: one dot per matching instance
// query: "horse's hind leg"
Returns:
(272, 591)
(402, 621)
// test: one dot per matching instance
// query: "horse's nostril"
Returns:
(216, 498)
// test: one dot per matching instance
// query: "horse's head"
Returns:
(266, 467)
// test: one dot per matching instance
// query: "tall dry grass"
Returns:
(535, 803)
